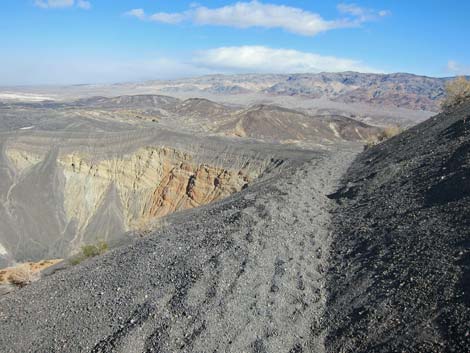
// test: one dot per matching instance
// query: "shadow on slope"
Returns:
(399, 279)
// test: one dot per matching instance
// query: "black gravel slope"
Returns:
(400, 276)
(279, 267)
(245, 274)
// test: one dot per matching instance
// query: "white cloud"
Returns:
(57, 4)
(85, 5)
(361, 14)
(383, 13)
(138, 13)
(78, 70)
(52, 69)
(258, 14)
(456, 68)
(54, 3)
(170, 18)
(268, 60)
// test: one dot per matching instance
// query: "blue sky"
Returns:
(95, 41)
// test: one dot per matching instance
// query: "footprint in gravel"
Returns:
(279, 271)
(279, 268)
(258, 346)
(296, 349)
(250, 197)
(316, 294)
(300, 281)
(263, 212)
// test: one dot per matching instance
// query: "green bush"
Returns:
(90, 250)
(94, 250)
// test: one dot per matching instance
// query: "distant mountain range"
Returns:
(374, 99)
(397, 90)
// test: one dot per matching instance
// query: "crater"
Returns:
(63, 199)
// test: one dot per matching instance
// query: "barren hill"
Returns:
(129, 101)
(201, 107)
(274, 123)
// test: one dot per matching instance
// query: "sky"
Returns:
(105, 41)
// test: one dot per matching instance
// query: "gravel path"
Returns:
(246, 274)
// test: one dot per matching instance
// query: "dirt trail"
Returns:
(245, 274)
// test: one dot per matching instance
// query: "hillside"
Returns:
(129, 101)
(248, 246)
(400, 268)
(242, 274)
(399, 90)
(234, 176)
(297, 261)
(274, 123)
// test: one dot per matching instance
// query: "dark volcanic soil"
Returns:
(381, 265)
(242, 275)
(400, 275)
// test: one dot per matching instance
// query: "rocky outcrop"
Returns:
(33, 267)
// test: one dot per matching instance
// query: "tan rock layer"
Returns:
(151, 182)
(33, 267)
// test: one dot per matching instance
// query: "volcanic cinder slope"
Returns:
(242, 274)
(296, 262)
(400, 268)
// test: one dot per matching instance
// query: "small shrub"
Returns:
(94, 250)
(387, 133)
(458, 91)
(390, 131)
(76, 260)
(22, 276)
(90, 250)
(371, 141)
